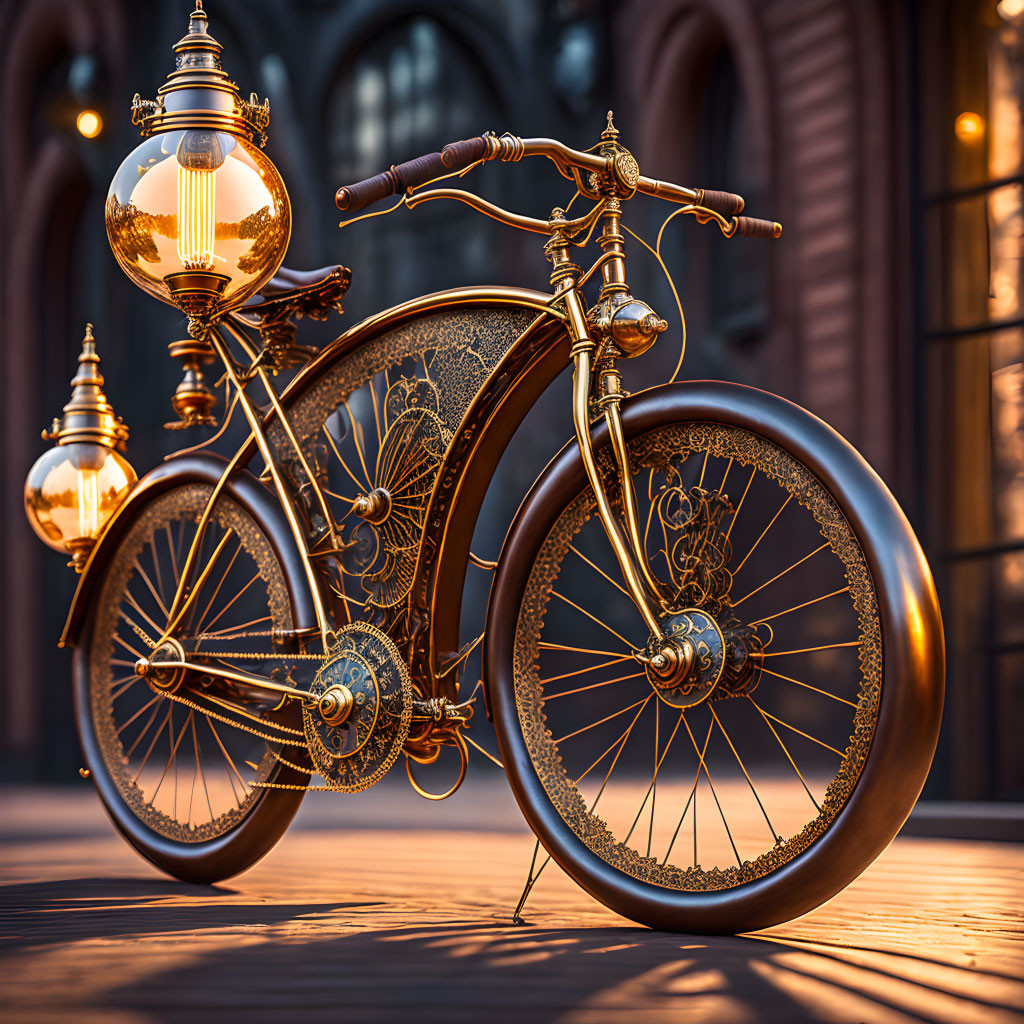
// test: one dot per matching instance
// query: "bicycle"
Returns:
(265, 624)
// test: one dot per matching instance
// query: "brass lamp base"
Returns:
(79, 550)
(197, 293)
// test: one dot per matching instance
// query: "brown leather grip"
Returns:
(458, 155)
(725, 203)
(391, 182)
(753, 227)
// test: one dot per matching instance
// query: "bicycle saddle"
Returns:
(312, 293)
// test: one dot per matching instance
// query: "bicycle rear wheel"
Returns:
(793, 754)
(184, 774)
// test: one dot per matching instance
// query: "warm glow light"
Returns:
(73, 489)
(88, 503)
(1010, 9)
(196, 218)
(970, 126)
(89, 123)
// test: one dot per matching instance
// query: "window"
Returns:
(973, 347)
(408, 91)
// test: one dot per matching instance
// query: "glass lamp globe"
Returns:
(75, 487)
(197, 215)
(71, 492)
(198, 205)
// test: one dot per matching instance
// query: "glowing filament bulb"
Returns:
(196, 218)
(199, 154)
(88, 502)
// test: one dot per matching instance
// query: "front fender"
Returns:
(204, 468)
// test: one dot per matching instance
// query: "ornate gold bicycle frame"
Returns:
(560, 332)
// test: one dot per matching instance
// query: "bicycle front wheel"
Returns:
(764, 782)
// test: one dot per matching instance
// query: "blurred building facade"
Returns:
(891, 307)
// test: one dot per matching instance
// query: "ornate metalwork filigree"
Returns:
(357, 752)
(660, 449)
(182, 504)
(429, 370)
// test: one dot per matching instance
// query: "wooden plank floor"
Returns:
(381, 907)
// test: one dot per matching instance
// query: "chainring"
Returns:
(357, 753)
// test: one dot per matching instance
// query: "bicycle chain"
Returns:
(247, 655)
(238, 725)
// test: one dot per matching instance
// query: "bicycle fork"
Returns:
(665, 656)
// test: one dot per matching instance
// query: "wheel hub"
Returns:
(685, 665)
(160, 676)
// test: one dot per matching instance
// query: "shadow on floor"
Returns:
(39, 913)
(480, 969)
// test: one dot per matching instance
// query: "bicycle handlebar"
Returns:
(621, 167)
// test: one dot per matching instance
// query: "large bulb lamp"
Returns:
(76, 486)
(197, 215)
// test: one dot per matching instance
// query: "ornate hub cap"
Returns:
(686, 665)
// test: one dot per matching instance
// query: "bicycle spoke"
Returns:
(789, 679)
(761, 538)
(652, 786)
(594, 686)
(753, 789)
(145, 707)
(689, 800)
(599, 570)
(220, 614)
(797, 607)
(800, 732)
(240, 626)
(545, 646)
(125, 684)
(622, 737)
(149, 584)
(707, 775)
(174, 553)
(590, 616)
(583, 671)
(725, 476)
(344, 464)
(808, 650)
(135, 604)
(172, 758)
(735, 515)
(145, 729)
(127, 646)
(601, 721)
(789, 756)
(229, 762)
(779, 575)
(152, 743)
(703, 469)
(356, 431)
(151, 544)
(209, 604)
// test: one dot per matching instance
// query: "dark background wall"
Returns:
(891, 307)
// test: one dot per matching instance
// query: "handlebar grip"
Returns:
(458, 155)
(390, 182)
(754, 227)
(726, 203)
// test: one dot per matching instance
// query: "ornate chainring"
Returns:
(356, 730)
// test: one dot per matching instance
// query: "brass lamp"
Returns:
(75, 487)
(197, 215)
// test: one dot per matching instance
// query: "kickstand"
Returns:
(531, 881)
